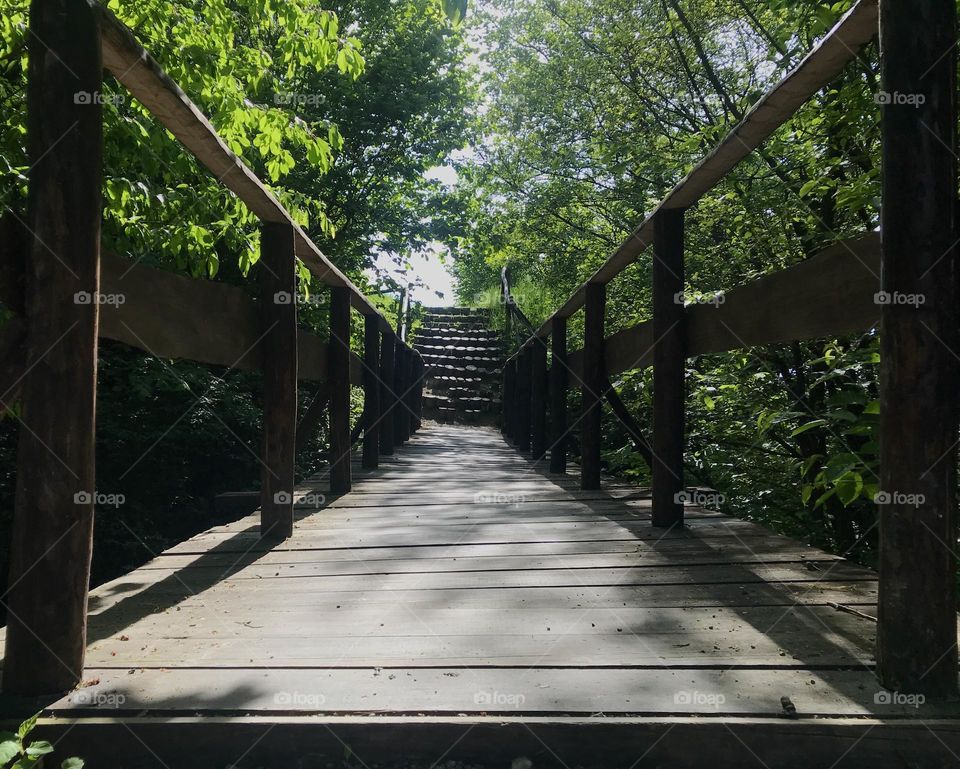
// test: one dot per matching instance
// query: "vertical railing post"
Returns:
(388, 346)
(410, 416)
(669, 365)
(558, 397)
(509, 392)
(522, 413)
(339, 362)
(400, 420)
(419, 369)
(53, 516)
(278, 310)
(591, 385)
(917, 614)
(538, 398)
(505, 298)
(371, 391)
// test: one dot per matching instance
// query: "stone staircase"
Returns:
(463, 356)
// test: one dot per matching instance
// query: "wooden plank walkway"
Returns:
(464, 602)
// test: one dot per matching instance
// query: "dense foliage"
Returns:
(340, 108)
(595, 109)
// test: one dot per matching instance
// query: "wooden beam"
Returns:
(339, 358)
(831, 293)
(13, 362)
(522, 414)
(558, 397)
(146, 80)
(276, 273)
(538, 399)
(51, 542)
(507, 399)
(412, 395)
(406, 413)
(420, 371)
(591, 387)
(919, 344)
(635, 432)
(310, 421)
(669, 368)
(400, 384)
(371, 392)
(818, 68)
(388, 399)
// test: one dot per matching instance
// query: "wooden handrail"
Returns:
(510, 303)
(819, 67)
(145, 79)
(831, 293)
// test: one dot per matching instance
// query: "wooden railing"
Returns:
(832, 293)
(56, 278)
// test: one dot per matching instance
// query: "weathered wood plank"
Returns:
(371, 393)
(52, 531)
(669, 369)
(919, 341)
(140, 73)
(559, 382)
(831, 293)
(592, 379)
(278, 343)
(339, 357)
(818, 68)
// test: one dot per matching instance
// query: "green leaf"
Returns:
(9, 750)
(808, 426)
(849, 488)
(27, 726)
(72, 763)
(39, 748)
(456, 10)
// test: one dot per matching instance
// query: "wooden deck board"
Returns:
(460, 579)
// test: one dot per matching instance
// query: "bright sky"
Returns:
(426, 265)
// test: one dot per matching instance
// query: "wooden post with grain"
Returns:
(278, 312)
(51, 541)
(339, 362)
(591, 385)
(669, 365)
(371, 391)
(558, 396)
(919, 344)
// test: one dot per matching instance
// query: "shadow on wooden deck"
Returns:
(461, 603)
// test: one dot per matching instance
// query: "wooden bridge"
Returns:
(462, 592)
(463, 601)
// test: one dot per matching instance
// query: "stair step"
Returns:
(463, 360)
(456, 311)
(446, 349)
(456, 333)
